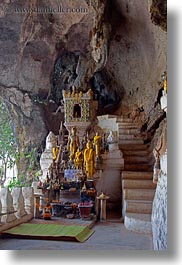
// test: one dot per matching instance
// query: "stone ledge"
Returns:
(24, 219)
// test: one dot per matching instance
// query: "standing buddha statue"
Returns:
(97, 143)
(73, 143)
(78, 159)
(89, 160)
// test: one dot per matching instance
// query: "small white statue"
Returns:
(111, 138)
(51, 141)
(112, 142)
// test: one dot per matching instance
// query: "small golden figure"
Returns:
(55, 151)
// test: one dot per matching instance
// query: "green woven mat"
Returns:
(49, 231)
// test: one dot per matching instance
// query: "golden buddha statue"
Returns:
(89, 160)
(97, 143)
(73, 143)
(55, 151)
(78, 159)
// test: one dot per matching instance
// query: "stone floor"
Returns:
(66, 221)
(111, 235)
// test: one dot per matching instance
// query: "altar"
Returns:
(73, 165)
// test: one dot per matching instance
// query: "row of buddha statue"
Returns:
(84, 158)
(82, 155)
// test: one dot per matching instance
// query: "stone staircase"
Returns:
(137, 186)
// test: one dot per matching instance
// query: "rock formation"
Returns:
(103, 45)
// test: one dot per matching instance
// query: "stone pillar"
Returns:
(7, 206)
(18, 202)
(28, 195)
(38, 200)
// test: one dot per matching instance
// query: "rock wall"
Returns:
(159, 213)
(140, 59)
(116, 51)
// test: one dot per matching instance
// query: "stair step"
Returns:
(132, 147)
(145, 217)
(137, 167)
(130, 142)
(139, 194)
(137, 175)
(135, 153)
(129, 137)
(138, 222)
(128, 126)
(136, 159)
(134, 206)
(128, 123)
(138, 184)
(123, 131)
(123, 119)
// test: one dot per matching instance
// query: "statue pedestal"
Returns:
(110, 177)
(81, 127)
(114, 158)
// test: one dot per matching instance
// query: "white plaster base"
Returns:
(159, 211)
(137, 225)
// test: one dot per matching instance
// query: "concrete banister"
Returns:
(18, 202)
(7, 206)
(16, 208)
(28, 195)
